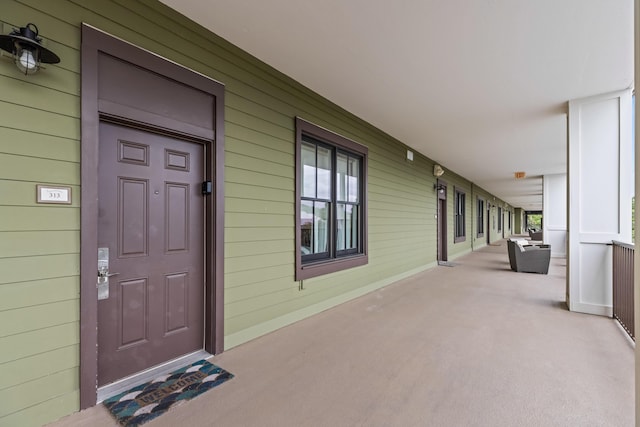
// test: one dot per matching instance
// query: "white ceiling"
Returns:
(480, 86)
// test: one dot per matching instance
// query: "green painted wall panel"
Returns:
(242, 249)
(38, 317)
(27, 218)
(25, 143)
(44, 412)
(255, 234)
(39, 390)
(49, 100)
(43, 122)
(249, 177)
(248, 163)
(21, 168)
(249, 275)
(33, 243)
(239, 294)
(40, 365)
(37, 292)
(258, 206)
(41, 267)
(256, 262)
(256, 191)
(248, 150)
(37, 342)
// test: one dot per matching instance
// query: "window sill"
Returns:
(323, 267)
(459, 239)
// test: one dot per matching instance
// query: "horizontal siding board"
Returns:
(243, 176)
(38, 170)
(40, 365)
(245, 162)
(251, 150)
(40, 341)
(41, 217)
(239, 135)
(40, 121)
(62, 80)
(256, 234)
(257, 192)
(44, 412)
(269, 114)
(235, 250)
(258, 206)
(254, 220)
(232, 265)
(238, 294)
(250, 276)
(38, 317)
(34, 243)
(37, 292)
(13, 91)
(37, 391)
(36, 268)
(26, 143)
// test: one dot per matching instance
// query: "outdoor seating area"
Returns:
(527, 258)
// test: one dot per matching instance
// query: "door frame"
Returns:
(441, 226)
(95, 41)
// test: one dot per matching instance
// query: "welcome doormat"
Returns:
(150, 400)
(447, 263)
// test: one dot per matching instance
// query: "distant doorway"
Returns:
(442, 220)
(488, 223)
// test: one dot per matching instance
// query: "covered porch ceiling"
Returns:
(479, 86)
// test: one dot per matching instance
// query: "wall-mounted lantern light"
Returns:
(439, 188)
(24, 45)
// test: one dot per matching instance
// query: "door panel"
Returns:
(151, 217)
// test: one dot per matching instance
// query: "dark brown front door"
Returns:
(151, 218)
(488, 223)
(442, 223)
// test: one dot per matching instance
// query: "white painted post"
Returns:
(554, 213)
(599, 199)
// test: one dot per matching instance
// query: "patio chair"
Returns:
(526, 258)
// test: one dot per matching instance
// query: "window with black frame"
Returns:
(331, 218)
(459, 217)
(480, 219)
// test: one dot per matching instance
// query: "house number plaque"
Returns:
(53, 194)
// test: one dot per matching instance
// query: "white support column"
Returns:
(554, 213)
(636, 279)
(600, 176)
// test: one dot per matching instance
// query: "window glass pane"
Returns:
(324, 173)
(352, 227)
(354, 179)
(306, 227)
(341, 177)
(341, 227)
(320, 227)
(308, 170)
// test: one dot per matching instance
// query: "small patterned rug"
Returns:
(447, 263)
(150, 400)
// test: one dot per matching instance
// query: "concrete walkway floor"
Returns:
(470, 345)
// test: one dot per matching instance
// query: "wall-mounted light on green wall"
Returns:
(25, 45)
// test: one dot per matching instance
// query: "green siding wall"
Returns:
(40, 244)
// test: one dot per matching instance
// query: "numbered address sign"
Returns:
(51, 194)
